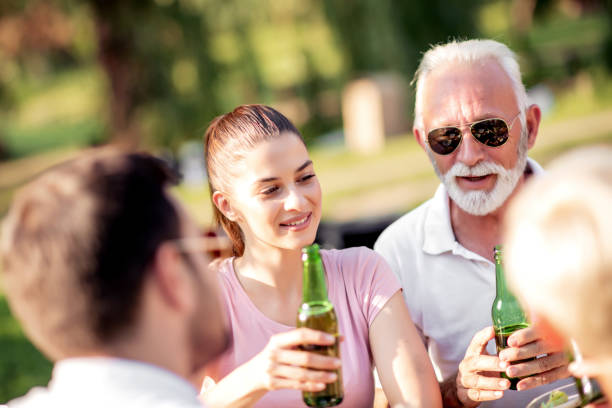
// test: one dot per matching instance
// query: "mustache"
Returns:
(480, 169)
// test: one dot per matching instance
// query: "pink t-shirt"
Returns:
(359, 284)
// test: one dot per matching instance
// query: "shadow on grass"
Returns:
(22, 366)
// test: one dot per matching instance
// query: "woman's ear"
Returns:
(221, 201)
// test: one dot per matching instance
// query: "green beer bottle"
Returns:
(508, 316)
(317, 313)
(588, 388)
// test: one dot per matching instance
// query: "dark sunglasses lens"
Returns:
(491, 132)
(444, 140)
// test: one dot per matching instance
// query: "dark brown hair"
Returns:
(226, 141)
(77, 245)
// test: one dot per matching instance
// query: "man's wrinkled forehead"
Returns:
(477, 90)
(487, 71)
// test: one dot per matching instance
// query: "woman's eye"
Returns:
(269, 190)
(306, 177)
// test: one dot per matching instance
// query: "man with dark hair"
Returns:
(108, 277)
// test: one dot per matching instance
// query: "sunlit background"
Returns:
(152, 74)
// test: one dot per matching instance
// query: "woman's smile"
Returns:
(297, 223)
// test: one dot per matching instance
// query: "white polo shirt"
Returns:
(109, 382)
(449, 289)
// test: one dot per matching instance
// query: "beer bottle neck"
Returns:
(588, 388)
(501, 285)
(500, 279)
(314, 288)
(506, 311)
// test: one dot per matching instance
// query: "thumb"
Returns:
(479, 342)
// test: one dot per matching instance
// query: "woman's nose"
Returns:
(294, 200)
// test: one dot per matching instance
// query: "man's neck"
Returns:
(148, 341)
(480, 233)
(477, 233)
(137, 351)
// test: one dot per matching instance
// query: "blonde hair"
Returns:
(470, 52)
(558, 235)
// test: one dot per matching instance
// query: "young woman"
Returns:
(267, 198)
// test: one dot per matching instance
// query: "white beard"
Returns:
(483, 202)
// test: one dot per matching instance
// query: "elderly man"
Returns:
(558, 233)
(473, 121)
(106, 273)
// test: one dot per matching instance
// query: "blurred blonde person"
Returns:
(559, 255)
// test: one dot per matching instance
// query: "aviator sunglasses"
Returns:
(490, 132)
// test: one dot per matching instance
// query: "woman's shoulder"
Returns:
(223, 267)
(362, 276)
(354, 264)
(228, 283)
(353, 256)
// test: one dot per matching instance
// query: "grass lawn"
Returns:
(23, 366)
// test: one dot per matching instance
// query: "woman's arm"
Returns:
(278, 366)
(404, 369)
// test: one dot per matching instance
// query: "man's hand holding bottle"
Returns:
(479, 377)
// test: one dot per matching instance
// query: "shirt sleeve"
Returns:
(374, 281)
(388, 246)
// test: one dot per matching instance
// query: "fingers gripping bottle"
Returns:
(588, 388)
(508, 316)
(317, 313)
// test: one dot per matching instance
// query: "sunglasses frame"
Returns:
(471, 124)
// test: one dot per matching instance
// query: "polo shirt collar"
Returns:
(439, 236)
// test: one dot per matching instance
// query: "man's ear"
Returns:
(221, 201)
(533, 115)
(420, 137)
(171, 278)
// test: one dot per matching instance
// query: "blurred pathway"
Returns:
(356, 187)
(379, 186)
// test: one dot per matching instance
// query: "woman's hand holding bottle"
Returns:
(282, 365)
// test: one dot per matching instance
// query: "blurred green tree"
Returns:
(607, 45)
(154, 57)
(392, 34)
(162, 69)
(157, 60)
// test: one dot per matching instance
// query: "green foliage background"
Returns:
(22, 364)
(185, 61)
(182, 62)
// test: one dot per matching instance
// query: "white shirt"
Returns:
(110, 382)
(449, 289)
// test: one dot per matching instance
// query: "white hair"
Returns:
(469, 51)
